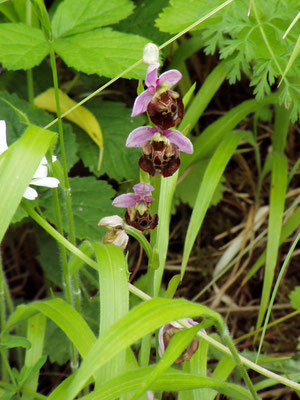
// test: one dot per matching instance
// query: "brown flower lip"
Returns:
(142, 222)
(166, 109)
(160, 158)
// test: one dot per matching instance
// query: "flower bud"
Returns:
(116, 234)
(165, 336)
(151, 54)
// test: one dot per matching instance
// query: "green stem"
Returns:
(7, 367)
(67, 187)
(30, 90)
(228, 342)
(29, 74)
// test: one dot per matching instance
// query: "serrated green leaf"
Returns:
(21, 46)
(104, 52)
(295, 298)
(178, 16)
(116, 123)
(77, 16)
(141, 21)
(91, 200)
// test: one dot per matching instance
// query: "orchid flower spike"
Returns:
(165, 336)
(40, 177)
(160, 149)
(164, 106)
(137, 204)
(116, 234)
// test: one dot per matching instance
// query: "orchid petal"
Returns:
(141, 103)
(151, 75)
(143, 189)
(47, 181)
(125, 200)
(30, 194)
(139, 136)
(3, 143)
(172, 77)
(183, 143)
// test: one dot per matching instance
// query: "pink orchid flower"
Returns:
(132, 200)
(154, 83)
(137, 204)
(139, 136)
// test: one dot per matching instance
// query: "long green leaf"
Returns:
(208, 185)
(210, 138)
(278, 191)
(140, 321)
(172, 380)
(203, 97)
(64, 316)
(288, 228)
(17, 167)
(114, 300)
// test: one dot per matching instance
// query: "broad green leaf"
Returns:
(171, 381)
(207, 189)
(17, 167)
(139, 322)
(91, 200)
(295, 298)
(21, 46)
(64, 316)
(77, 16)
(114, 300)
(278, 191)
(81, 116)
(116, 123)
(104, 52)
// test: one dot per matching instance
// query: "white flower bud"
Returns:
(112, 222)
(116, 234)
(151, 54)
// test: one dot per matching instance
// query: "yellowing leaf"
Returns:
(80, 116)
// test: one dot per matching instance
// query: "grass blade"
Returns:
(211, 178)
(278, 191)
